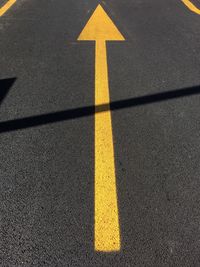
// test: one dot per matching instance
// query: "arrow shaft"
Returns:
(107, 234)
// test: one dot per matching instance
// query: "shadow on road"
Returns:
(33, 121)
(5, 85)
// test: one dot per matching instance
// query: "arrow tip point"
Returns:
(100, 27)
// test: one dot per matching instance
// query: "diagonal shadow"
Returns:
(33, 121)
(5, 85)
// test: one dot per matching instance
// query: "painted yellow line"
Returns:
(5, 8)
(191, 6)
(100, 28)
(107, 234)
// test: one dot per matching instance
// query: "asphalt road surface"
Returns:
(47, 133)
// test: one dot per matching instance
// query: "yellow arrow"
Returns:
(6, 7)
(100, 28)
(191, 6)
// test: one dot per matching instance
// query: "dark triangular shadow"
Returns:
(5, 85)
(70, 114)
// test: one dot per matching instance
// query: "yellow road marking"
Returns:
(6, 7)
(107, 234)
(191, 6)
(100, 28)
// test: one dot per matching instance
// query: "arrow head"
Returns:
(100, 28)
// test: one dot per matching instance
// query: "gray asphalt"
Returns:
(47, 134)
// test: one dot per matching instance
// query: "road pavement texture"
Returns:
(47, 133)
